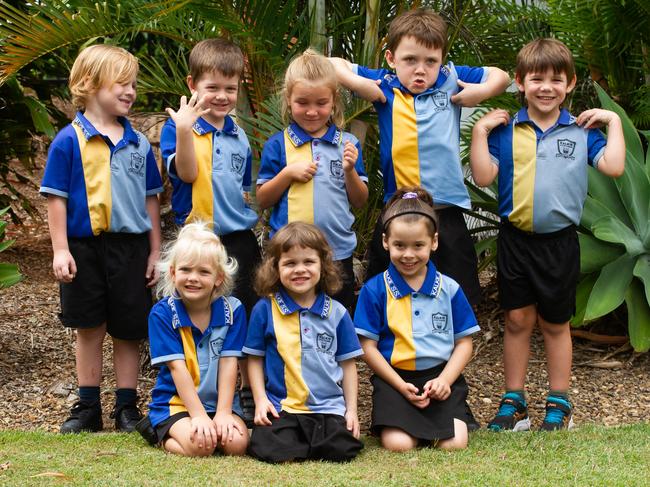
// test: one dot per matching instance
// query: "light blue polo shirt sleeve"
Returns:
(58, 168)
(348, 345)
(248, 172)
(464, 319)
(596, 144)
(236, 336)
(471, 74)
(255, 343)
(168, 146)
(164, 341)
(154, 184)
(369, 314)
(272, 159)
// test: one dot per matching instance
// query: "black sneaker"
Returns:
(512, 414)
(126, 417)
(472, 424)
(559, 414)
(83, 417)
(247, 406)
(145, 428)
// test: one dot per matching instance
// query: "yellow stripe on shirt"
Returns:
(287, 334)
(398, 313)
(406, 161)
(524, 151)
(300, 200)
(96, 162)
(202, 207)
(192, 362)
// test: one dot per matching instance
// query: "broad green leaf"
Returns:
(638, 317)
(583, 291)
(610, 288)
(594, 253)
(6, 244)
(604, 189)
(9, 275)
(485, 244)
(632, 139)
(634, 188)
(611, 229)
(642, 271)
(593, 211)
(38, 112)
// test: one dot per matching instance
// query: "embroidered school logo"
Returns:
(439, 322)
(565, 148)
(324, 341)
(336, 168)
(236, 162)
(440, 100)
(215, 346)
(137, 164)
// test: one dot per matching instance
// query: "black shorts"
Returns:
(243, 247)
(304, 436)
(435, 422)
(540, 269)
(346, 295)
(455, 256)
(110, 286)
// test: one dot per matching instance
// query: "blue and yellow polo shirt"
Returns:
(323, 200)
(224, 172)
(419, 135)
(543, 174)
(302, 349)
(172, 336)
(414, 330)
(105, 185)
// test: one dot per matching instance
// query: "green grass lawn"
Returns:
(591, 455)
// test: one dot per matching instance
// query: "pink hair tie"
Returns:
(409, 196)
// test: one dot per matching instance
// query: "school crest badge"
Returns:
(336, 168)
(440, 100)
(215, 346)
(565, 148)
(137, 164)
(439, 322)
(324, 341)
(236, 162)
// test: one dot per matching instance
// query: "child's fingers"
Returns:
(170, 112)
(273, 412)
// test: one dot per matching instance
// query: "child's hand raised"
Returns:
(491, 120)
(189, 111)
(262, 411)
(437, 389)
(370, 91)
(410, 392)
(350, 155)
(595, 118)
(203, 432)
(301, 171)
(226, 425)
(471, 94)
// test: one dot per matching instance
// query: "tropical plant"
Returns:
(9, 273)
(615, 239)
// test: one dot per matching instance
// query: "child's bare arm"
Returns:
(474, 93)
(263, 406)
(356, 189)
(271, 191)
(223, 419)
(63, 264)
(375, 360)
(365, 88)
(612, 163)
(153, 210)
(350, 393)
(440, 387)
(483, 169)
(187, 114)
(203, 430)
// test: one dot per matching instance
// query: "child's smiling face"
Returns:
(116, 99)
(410, 245)
(545, 92)
(221, 91)
(196, 282)
(416, 65)
(311, 106)
(300, 270)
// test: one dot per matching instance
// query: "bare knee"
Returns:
(459, 440)
(554, 330)
(521, 320)
(237, 446)
(397, 440)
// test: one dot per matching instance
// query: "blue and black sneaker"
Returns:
(512, 414)
(559, 414)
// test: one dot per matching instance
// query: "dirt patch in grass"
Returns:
(610, 384)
